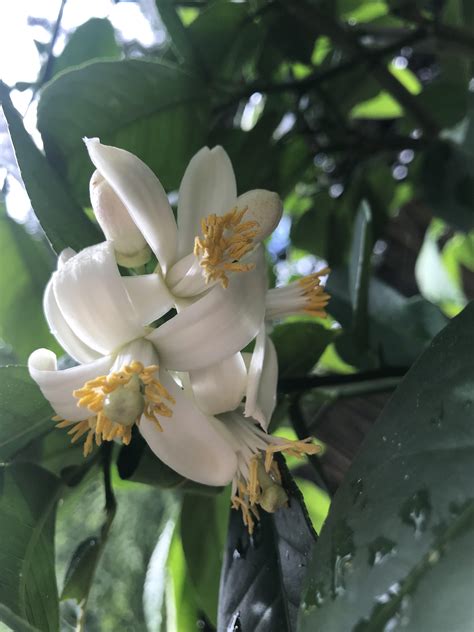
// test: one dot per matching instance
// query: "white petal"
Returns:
(264, 207)
(62, 332)
(92, 298)
(141, 192)
(64, 256)
(208, 187)
(149, 295)
(217, 325)
(189, 443)
(260, 397)
(57, 386)
(186, 279)
(220, 387)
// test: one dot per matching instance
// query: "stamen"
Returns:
(226, 239)
(316, 297)
(304, 296)
(259, 482)
(118, 401)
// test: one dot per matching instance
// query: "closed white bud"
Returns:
(264, 207)
(131, 249)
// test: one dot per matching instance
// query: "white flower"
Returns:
(211, 267)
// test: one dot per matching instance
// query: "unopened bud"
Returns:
(264, 207)
(125, 404)
(131, 249)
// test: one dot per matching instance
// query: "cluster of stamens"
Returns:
(117, 401)
(262, 487)
(225, 240)
(316, 298)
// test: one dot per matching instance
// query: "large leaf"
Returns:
(399, 328)
(61, 218)
(27, 507)
(397, 549)
(262, 574)
(25, 268)
(24, 412)
(153, 109)
(92, 40)
(203, 531)
(447, 179)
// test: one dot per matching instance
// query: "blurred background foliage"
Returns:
(360, 114)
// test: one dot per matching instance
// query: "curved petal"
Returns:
(57, 386)
(61, 330)
(220, 387)
(208, 187)
(264, 207)
(189, 443)
(217, 325)
(260, 396)
(186, 278)
(141, 192)
(149, 295)
(92, 298)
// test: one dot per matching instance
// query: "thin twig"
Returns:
(298, 384)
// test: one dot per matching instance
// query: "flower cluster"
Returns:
(157, 317)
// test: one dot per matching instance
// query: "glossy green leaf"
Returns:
(263, 573)
(14, 622)
(28, 497)
(447, 180)
(153, 109)
(26, 264)
(24, 412)
(94, 39)
(61, 218)
(400, 328)
(397, 548)
(203, 528)
(299, 346)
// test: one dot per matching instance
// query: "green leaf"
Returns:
(447, 181)
(299, 345)
(263, 573)
(181, 39)
(400, 328)
(25, 268)
(94, 39)
(24, 412)
(359, 271)
(380, 107)
(203, 529)
(13, 622)
(27, 508)
(153, 109)
(61, 218)
(396, 550)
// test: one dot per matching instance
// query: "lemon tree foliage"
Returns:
(360, 115)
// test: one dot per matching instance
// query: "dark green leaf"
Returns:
(447, 179)
(27, 507)
(262, 574)
(25, 268)
(14, 623)
(94, 39)
(397, 548)
(61, 218)
(24, 412)
(399, 328)
(155, 110)
(299, 346)
(203, 530)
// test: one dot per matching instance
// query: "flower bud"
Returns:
(264, 207)
(131, 249)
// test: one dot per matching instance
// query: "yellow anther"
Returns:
(225, 240)
(313, 291)
(134, 390)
